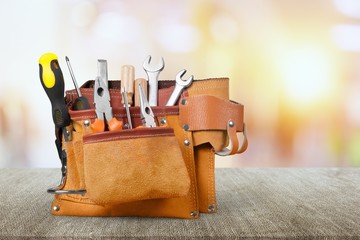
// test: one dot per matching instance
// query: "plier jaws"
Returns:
(103, 108)
(146, 113)
(102, 100)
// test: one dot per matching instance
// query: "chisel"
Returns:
(52, 80)
(81, 102)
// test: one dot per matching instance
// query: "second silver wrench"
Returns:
(179, 87)
(153, 74)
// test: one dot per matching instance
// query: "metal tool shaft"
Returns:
(153, 87)
(126, 103)
(73, 76)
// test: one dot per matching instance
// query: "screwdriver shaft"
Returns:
(125, 98)
(73, 76)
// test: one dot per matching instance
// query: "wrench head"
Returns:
(156, 68)
(181, 81)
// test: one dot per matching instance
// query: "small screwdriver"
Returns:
(126, 104)
(52, 80)
(81, 102)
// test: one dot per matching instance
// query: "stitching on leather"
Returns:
(191, 153)
(76, 200)
(121, 115)
(211, 196)
(188, 162)
(209, 178)
(191, 162)
(127, 137)
(210, 87)
(83, 117)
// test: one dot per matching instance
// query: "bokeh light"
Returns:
(295, 65)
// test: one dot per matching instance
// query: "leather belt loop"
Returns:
(245, 142)
(233, 147)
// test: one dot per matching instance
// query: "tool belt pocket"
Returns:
(132, 165)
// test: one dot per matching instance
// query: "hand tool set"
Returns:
(140, 146)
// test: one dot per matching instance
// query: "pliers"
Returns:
(146, 113)
(102, 103)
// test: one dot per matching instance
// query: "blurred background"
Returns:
(295, 65)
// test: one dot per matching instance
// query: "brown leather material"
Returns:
(234, 146)
(218, 139)
(197, 153)
(210, 113)
(217, 87)
(233, 137)
(164, 95)
(205, 177)
(128, 134)
(75, 167)
(244, 145)
(138, 171)
(171, 207)
(209, 124)
(120, 113)
(81, 205)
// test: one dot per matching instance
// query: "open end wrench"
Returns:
(179, 87)
(153, 74)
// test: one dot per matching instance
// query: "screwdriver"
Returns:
(52, 80)
(81, 102)
(126, 104)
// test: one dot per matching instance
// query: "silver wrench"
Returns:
(179, 87)
(153, 74)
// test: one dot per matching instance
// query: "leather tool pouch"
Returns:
(132, 165)
(167, 171)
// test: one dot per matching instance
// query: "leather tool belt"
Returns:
(166, 171)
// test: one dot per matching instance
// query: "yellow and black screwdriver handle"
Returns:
(52, 80)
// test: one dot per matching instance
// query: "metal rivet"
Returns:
(211, 208)
(126, 126)
(231, 124)
(56, 208)
(193, 214)
(184, 102)
(86, 123)
(186, 127)
(163, 121)
(187, 142)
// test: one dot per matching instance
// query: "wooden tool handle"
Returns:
(144, 85)
(127, 81)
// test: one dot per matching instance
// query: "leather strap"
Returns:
(234, 146)
(206, 112)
